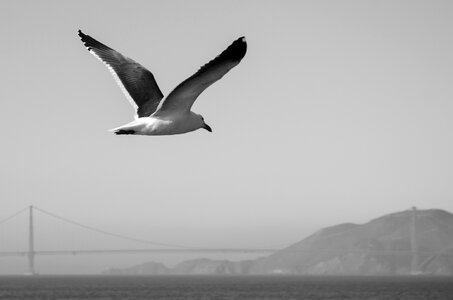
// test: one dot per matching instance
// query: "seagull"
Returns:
(156, 115)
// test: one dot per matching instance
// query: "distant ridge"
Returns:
(382, 246)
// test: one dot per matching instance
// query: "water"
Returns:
(215, 287)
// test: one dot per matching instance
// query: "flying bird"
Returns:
(156, 115)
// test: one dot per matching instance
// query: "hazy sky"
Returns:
(341, 111)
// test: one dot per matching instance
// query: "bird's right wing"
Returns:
(136, 82)
(184, 95)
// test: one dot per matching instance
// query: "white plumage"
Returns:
(156, 115)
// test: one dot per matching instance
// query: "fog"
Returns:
(339, 112)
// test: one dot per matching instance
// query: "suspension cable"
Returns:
(13, 215)
(110, 233)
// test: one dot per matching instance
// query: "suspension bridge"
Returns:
(31, 252)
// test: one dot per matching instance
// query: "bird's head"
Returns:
(196, 121)
(204, 125)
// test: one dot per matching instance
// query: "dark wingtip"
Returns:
(238, 48)
(92, 44)
(236, 51)
(82, 36)
(124, 131)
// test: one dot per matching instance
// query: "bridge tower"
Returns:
(31, 244)
(414, 250)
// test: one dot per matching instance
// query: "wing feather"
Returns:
(184, 95)
(135, 81)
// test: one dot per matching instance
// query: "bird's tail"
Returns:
(123, 131)
(133, 127)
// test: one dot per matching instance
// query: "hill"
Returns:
(403, 243)
(379, 247)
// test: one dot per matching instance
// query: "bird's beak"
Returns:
(206, 126)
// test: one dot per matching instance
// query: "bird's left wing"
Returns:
(136, 82)
(184, 95)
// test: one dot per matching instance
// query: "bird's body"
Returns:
(155, 125)
(156, 115)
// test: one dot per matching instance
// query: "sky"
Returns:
(339, 112)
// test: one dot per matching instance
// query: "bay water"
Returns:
(224, 287)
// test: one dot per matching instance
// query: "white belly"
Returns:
(156, 126)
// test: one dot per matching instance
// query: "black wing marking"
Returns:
(185, 94)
